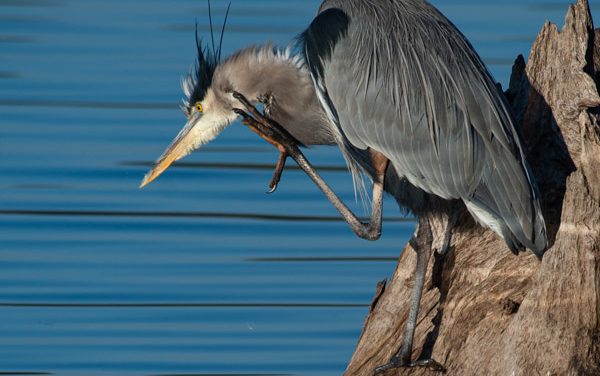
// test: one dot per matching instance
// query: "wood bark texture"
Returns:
(485, 311)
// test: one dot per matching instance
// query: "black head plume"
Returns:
(200, 79)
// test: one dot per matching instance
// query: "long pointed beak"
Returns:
(183, 145)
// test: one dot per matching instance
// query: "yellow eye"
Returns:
(199, 107)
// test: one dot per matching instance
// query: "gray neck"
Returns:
(262, 72)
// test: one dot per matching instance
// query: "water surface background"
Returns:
(201, 273)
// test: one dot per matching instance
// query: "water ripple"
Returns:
(323, 259)
(213, 215)
(236, 166)
(242, 29)
(87, 104)
(30, 3)
(15, 38)
(181, 305)
(224, 374)
(5, 74)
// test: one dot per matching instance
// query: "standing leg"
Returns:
(449, 224)
(421, 242)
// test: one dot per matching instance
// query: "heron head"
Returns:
(208, 111)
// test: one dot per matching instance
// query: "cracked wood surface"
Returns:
(485, 311)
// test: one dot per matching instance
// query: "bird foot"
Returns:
(397, 363)
(270, 131)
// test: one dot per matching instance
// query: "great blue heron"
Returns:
(406, 98)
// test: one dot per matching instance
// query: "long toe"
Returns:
(431, 364)
(396, 363)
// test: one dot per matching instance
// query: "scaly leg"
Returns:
(449, 224)
(287, 145)
(421, 242)
(278, 171)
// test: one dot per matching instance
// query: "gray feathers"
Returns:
(322, 36)
(401, 79)
(268, 73)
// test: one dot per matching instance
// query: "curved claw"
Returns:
(272, 189)
(243, 114)
(237, 95)
(278, 171)
(246, 103)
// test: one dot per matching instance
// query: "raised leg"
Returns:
(276, 135)
(421, 242)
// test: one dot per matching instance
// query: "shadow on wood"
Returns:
(485, 311)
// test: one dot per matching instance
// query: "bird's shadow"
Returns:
(547, 151)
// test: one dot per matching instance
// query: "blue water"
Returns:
(201, 273)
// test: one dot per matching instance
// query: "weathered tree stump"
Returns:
(485, 311)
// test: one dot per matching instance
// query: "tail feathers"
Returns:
(517, 240)
(507, 201)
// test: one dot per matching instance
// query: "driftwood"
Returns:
(485, 311)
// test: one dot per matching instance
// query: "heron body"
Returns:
(391, 81)
(398, 77)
